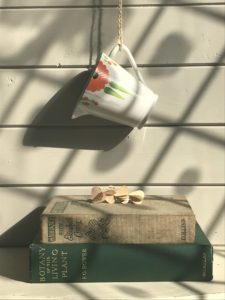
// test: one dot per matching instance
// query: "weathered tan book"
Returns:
(160, 219)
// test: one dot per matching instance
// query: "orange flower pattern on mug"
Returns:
(100, 78)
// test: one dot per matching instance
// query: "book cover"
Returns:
(159, 219)
(122, 262)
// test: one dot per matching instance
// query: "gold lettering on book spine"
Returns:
(183, 227)
(51, 229)
(84, 265)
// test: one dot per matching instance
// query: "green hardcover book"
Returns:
(122, 262)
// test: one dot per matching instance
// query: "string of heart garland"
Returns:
(113, 195)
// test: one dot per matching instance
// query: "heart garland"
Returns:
(113, 195)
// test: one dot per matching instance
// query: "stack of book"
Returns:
(158, 240)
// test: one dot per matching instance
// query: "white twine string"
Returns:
(120, 24)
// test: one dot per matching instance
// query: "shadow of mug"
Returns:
(54, 126)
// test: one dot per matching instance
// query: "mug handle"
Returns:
(124, 48)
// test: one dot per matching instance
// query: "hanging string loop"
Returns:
(120, 45)
(130, 57)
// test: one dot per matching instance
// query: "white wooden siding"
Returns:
(147, 156)
(63, 3)
(179, 46)
(165, 35)
(25, 93)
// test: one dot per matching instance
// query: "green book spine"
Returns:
(122, 262)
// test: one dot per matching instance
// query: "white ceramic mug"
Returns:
(114, 94)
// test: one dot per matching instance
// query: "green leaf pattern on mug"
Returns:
(119, 87)
(114, 90)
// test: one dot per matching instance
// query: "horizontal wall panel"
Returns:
(48, 96)
(165, 35)
(43, 3)
(19, 206)
(86, 155)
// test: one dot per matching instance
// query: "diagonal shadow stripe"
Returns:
(170, 141)
(61, 171)
(218, 216)
(195, 131)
